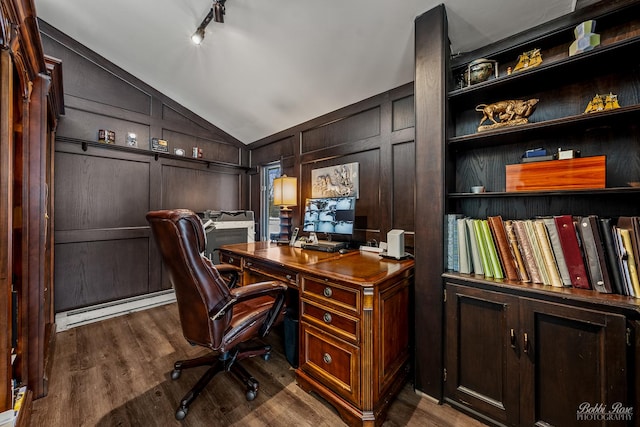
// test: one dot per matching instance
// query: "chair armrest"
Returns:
(254, 290)
(227, 268)
(277, 289)
(229, 272)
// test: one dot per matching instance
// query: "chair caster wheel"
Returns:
(181, 413)
(175, 374)
(250, 395)
(266, 356)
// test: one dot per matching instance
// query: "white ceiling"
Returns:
(277, 63)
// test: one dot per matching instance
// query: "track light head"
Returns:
(198, 36)
(216, 13)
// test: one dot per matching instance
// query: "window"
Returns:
(270, 214)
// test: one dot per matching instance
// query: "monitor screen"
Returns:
(331, 215)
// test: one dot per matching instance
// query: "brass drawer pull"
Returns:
(327, 317)
(327, 292)
(327, 358)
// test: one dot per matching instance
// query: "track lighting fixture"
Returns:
(216, 13)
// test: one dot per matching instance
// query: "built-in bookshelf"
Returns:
(564, 85)
(514, 349)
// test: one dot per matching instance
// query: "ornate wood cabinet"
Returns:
(30, 103)
(354, 335)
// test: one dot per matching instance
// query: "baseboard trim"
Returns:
(95, 313)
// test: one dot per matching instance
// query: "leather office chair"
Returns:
(211, 314)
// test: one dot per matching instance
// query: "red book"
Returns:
(572, 251)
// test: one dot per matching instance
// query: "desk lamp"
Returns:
(285, 192)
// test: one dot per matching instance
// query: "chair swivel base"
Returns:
(219, 363)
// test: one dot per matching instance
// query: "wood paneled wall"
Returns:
(377, 133)
(103, 247)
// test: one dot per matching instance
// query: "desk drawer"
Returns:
(227, 258)
(333, 362)
(276, 272)
(331, 294)
(331, 321)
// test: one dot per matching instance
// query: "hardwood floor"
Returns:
(117, 373)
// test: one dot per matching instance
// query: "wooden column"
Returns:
(431, 62)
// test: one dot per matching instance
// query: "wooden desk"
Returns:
(354, 322)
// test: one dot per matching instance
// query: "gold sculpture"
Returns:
(509, 113)
(602, 103)
(527, 60)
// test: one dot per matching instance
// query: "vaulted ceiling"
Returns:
(277, 63)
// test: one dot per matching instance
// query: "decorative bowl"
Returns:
(480, 70)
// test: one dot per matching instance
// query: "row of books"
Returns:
(587, 252)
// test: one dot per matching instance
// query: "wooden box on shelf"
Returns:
(568, 174)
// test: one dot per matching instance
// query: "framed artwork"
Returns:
(335, 181)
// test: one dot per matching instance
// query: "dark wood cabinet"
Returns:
(522, 361)
(518, 353)
(570, 355)
(481, 354)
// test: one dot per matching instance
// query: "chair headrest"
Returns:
(190, 217)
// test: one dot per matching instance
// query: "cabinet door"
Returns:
(482, 352)
(333, 362)
(570, 357)
(634, 365)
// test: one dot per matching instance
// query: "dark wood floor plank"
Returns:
(118, 373)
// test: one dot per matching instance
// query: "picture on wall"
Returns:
(335, 181)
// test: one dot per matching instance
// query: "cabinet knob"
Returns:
(327, 317)
(327, 292)
(327, 358)
(288, 276)
(230, 260)
(248, 264)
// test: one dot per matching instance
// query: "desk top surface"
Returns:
(365, 268)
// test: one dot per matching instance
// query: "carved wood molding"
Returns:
(20, 33)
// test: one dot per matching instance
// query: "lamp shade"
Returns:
(285, 191)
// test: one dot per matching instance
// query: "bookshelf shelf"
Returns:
(560, 295)
(619, 53)
(559, 193)
(548, 128)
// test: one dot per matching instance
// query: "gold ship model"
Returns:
(602, 103)
(527, 60)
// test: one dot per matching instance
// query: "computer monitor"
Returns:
(330, 215)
